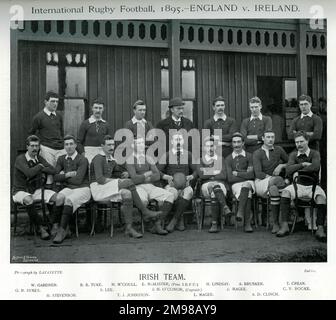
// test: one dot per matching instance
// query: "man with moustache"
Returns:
(27, 182)
(240, 174)
(269, 163)
(72, 173)
(178, 160)
(48, 126)
(306, 161)
(308, 122)
(252, 128)
(220, 121)
(92, 131)
(176, 120)
(109, 183)
(212, 173)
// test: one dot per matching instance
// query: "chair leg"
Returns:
(15, 218)
(255, 212)
(142, 223)
(76, 223)
(236, 211)
(293, 225)
(312, 219)
(111, 219)
(94, 209)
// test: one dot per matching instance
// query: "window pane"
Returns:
(75, 81)
(52, 78)
(164, 109)
(188, 109)
(188, 84)
(290, 89)
(164, 83)
(74, 111)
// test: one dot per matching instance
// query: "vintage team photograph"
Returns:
(168, 141)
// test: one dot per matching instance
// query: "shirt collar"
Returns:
(49, 112)
(209, 158)
(174, 151)
(216, 117)
(108, 158)
(266, 151)
(306, 153)
(234, 154)
(138, 156)
(73, 156)
(310, 114)
(28, 157)
(92, 119)
(259, 117)
(175, 119)
(135, 120)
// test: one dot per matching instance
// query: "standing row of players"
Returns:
(134, 184)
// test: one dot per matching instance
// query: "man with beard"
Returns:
(72, 173)
(144, 173)
(306, 161)
(252, 128)
(109, 183)
(307, 122)
(213, 175)
(220, 121)
(269, 163)
(28, 170)
(178, 160)
(92, 131)
(239, 169)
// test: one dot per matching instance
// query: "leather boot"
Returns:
(157, 228)
(181, 205)
(275, 216)
(214, 221)
(219, 194)
(180, 224)
(214, 227)
(321, 214)
(284, 208)
(63, 228)
(127, 210)
(247, 217)
(242, 203)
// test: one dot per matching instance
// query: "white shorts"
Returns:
(304, 192)
(148, 191)
(77, 196)
(236, 188)
(105, 192)
(261, 186)
(91, 152)
(186, 193)
(37, 195)
(51, 155)
(205, 190)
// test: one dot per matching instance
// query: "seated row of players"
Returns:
(134, 185)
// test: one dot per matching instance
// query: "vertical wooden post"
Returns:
(174, 59)
(302, 74)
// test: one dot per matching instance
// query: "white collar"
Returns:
(135, 120)
(108, 158)
(266, 151)
(234, 154)
(259, 117)
(216, 117)
(48, 112)
(73, 156)
(306, 153)
(175, 119)
(209, 158)
(28, 157)
(137, 155)
(174, 151)
(92, 119)
(310, 114)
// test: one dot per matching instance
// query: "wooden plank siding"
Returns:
(235, 77)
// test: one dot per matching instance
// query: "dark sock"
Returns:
(67, 213)
(166, 208)
(33, 215)
(56, 213)
(219, 194)
(285, 208)
(242, 200)
(181, 205)
(247, 214)
(275, 208)
(321, 214)
(127, 210)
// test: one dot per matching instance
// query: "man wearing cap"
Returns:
(308, 122)
(27, 182)
(239, 169)
(220, 121)
(178, 160)
(144, 173)
(269, 163)
(72, 173)
(138, 124)
(92, 131)
(176, 120)
(48, 126)
(252, 128)
(212, 173)
(306, 161)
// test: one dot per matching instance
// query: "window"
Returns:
(66, 74)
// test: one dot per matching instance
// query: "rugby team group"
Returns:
(238, 162)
